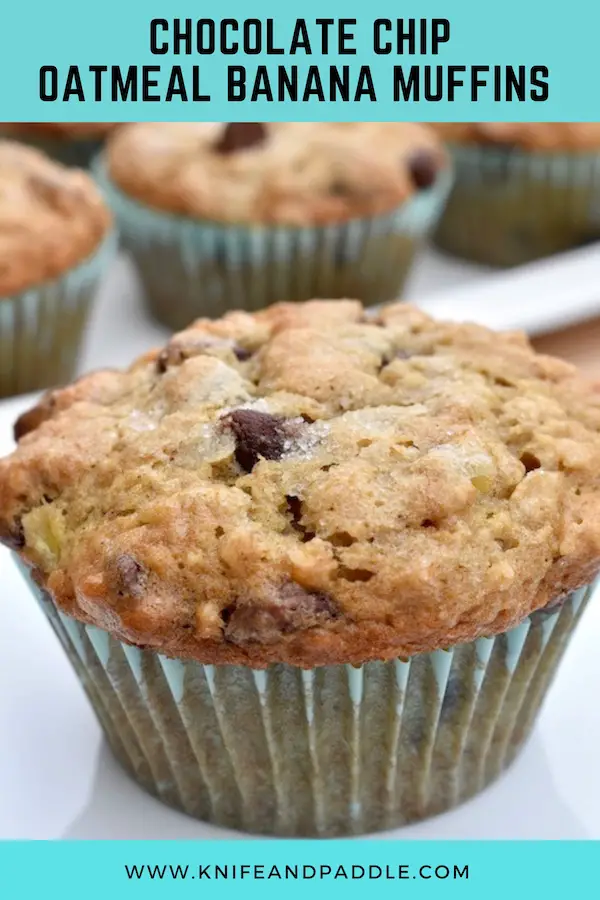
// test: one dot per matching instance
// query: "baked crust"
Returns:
(543, 136)
(51, 218)
(311, 484)
(294, 173)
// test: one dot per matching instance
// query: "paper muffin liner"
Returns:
(191, 268)
(41, 329)
(511, 206)
(332, 751)
(77, 152)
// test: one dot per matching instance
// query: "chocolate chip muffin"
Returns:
(522, 191)
(221, 215)
(315, 567)
(54, 242)
(71, 143)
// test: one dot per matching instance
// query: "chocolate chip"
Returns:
(33, 418)
(162, 361)
(294, 609)
(294, 505)
(240, 136)
(242, 353)
(339, 188)
(12, 534)
(257, 435)
(131, 577)
(530, 461)
(423, 168)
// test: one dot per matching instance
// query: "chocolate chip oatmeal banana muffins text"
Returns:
(221, 215)
(523, 190)
(54, 243)
(335, 542)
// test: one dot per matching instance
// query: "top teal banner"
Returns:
(124, 60)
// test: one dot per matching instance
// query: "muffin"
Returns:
(315, 568)
(522, 190)
(71, 143)
(54, 245)
(222, 215)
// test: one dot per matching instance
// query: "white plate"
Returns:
(58, 780)
(537, 298)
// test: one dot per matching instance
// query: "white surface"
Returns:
(541, 297)
(57, 777)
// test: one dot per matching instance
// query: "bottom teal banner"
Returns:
(261, 868)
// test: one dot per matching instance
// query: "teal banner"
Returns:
(341, 61)
(227, 869)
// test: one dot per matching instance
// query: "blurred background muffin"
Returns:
(72, 143)
(522, 190)
(54, 245)
(230, 215)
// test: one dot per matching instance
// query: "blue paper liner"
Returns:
(332, 751)
(191, 268)
(510, 206)
(41, 329)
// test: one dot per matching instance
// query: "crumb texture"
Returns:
(311, 484)
(51, 218)
(292, 173)
(542, 136)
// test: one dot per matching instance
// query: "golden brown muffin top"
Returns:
(51, 218)
(58, 130)
(290, 173)
(311, 484)
(543, 136)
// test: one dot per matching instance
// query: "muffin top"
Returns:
(311, 484)
(289, 173)
(59, 130)
(544, 136)
(51, 218)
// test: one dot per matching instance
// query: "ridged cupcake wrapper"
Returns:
(191, 268)
(41, 329)
(77, 152)
(510, 206)
(333, 751)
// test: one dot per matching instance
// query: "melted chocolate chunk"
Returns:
(340, 188)
(12, 535)
(240, 136)
(423, 168)
(33, 418)
(294, 609)
(131, 577)
(530, 461)
(242, 353)
(257, 435)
